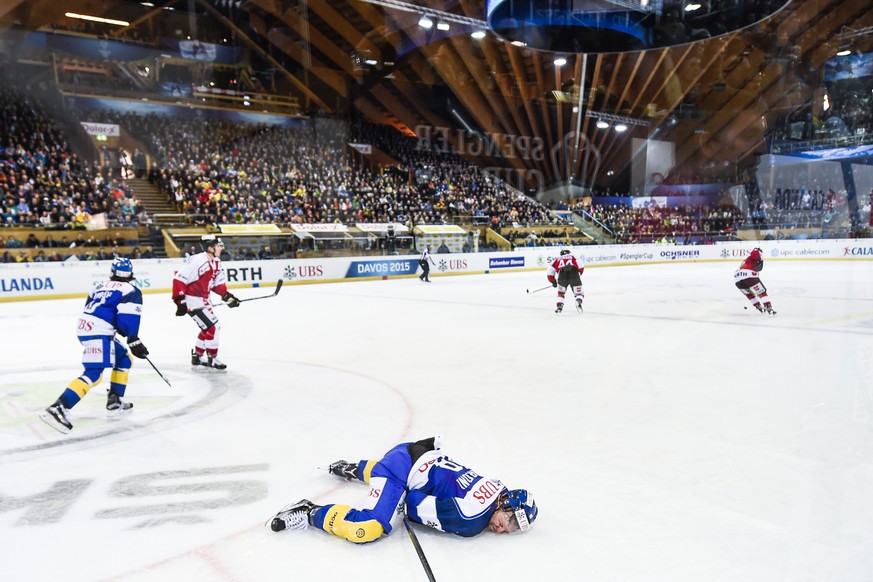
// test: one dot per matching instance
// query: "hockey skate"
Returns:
(114, 403)
(56, 417)
(344, 470)
(769, 311)
(207, 362)
(293, 516)
(560, 308)
(579, 305)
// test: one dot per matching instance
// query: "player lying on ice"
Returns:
(433, 490)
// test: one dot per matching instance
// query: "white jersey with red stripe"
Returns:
(200, 275)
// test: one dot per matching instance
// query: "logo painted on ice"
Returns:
(184, 496)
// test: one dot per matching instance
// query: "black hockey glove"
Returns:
(136, 347)
(231, 300)
(181, 308)
(554, 283)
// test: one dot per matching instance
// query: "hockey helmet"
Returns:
(565, 251)
(121, 268)
(210, 241)
(522, 505)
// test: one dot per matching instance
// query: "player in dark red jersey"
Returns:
(749, 283)
(564, 273)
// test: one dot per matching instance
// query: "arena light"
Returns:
(425, 22)
(478, 35)
(97, 19)
(844, 53)
(602, 124)
(442, 25)
(560, 62)
(620, 128)
(692, 7)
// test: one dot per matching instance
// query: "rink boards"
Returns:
(29, 281)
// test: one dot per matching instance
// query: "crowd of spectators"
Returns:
(221, 172)
(44, 184)
(83, 246)
(681, 224)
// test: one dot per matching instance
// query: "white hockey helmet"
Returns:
(211, 241)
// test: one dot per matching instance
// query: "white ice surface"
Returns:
(667, 434)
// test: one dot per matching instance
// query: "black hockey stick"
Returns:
(159, 372)
(538, 290)
(418, 550)
(273, 294)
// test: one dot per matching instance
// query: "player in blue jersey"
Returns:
(113, 307)
(431, 488)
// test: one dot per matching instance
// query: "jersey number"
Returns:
(97, 299)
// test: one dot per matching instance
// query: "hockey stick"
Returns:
(538, 290)
(273, 294)
(159, 372)
(418, 550)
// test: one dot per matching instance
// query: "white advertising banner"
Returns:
(107, 129)
(24, 281)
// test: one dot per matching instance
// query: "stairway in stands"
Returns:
(156, 204)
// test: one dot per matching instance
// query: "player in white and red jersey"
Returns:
(192, 285)
(564, 273)
(747, 280)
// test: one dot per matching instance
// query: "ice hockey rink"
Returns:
(667, 434)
